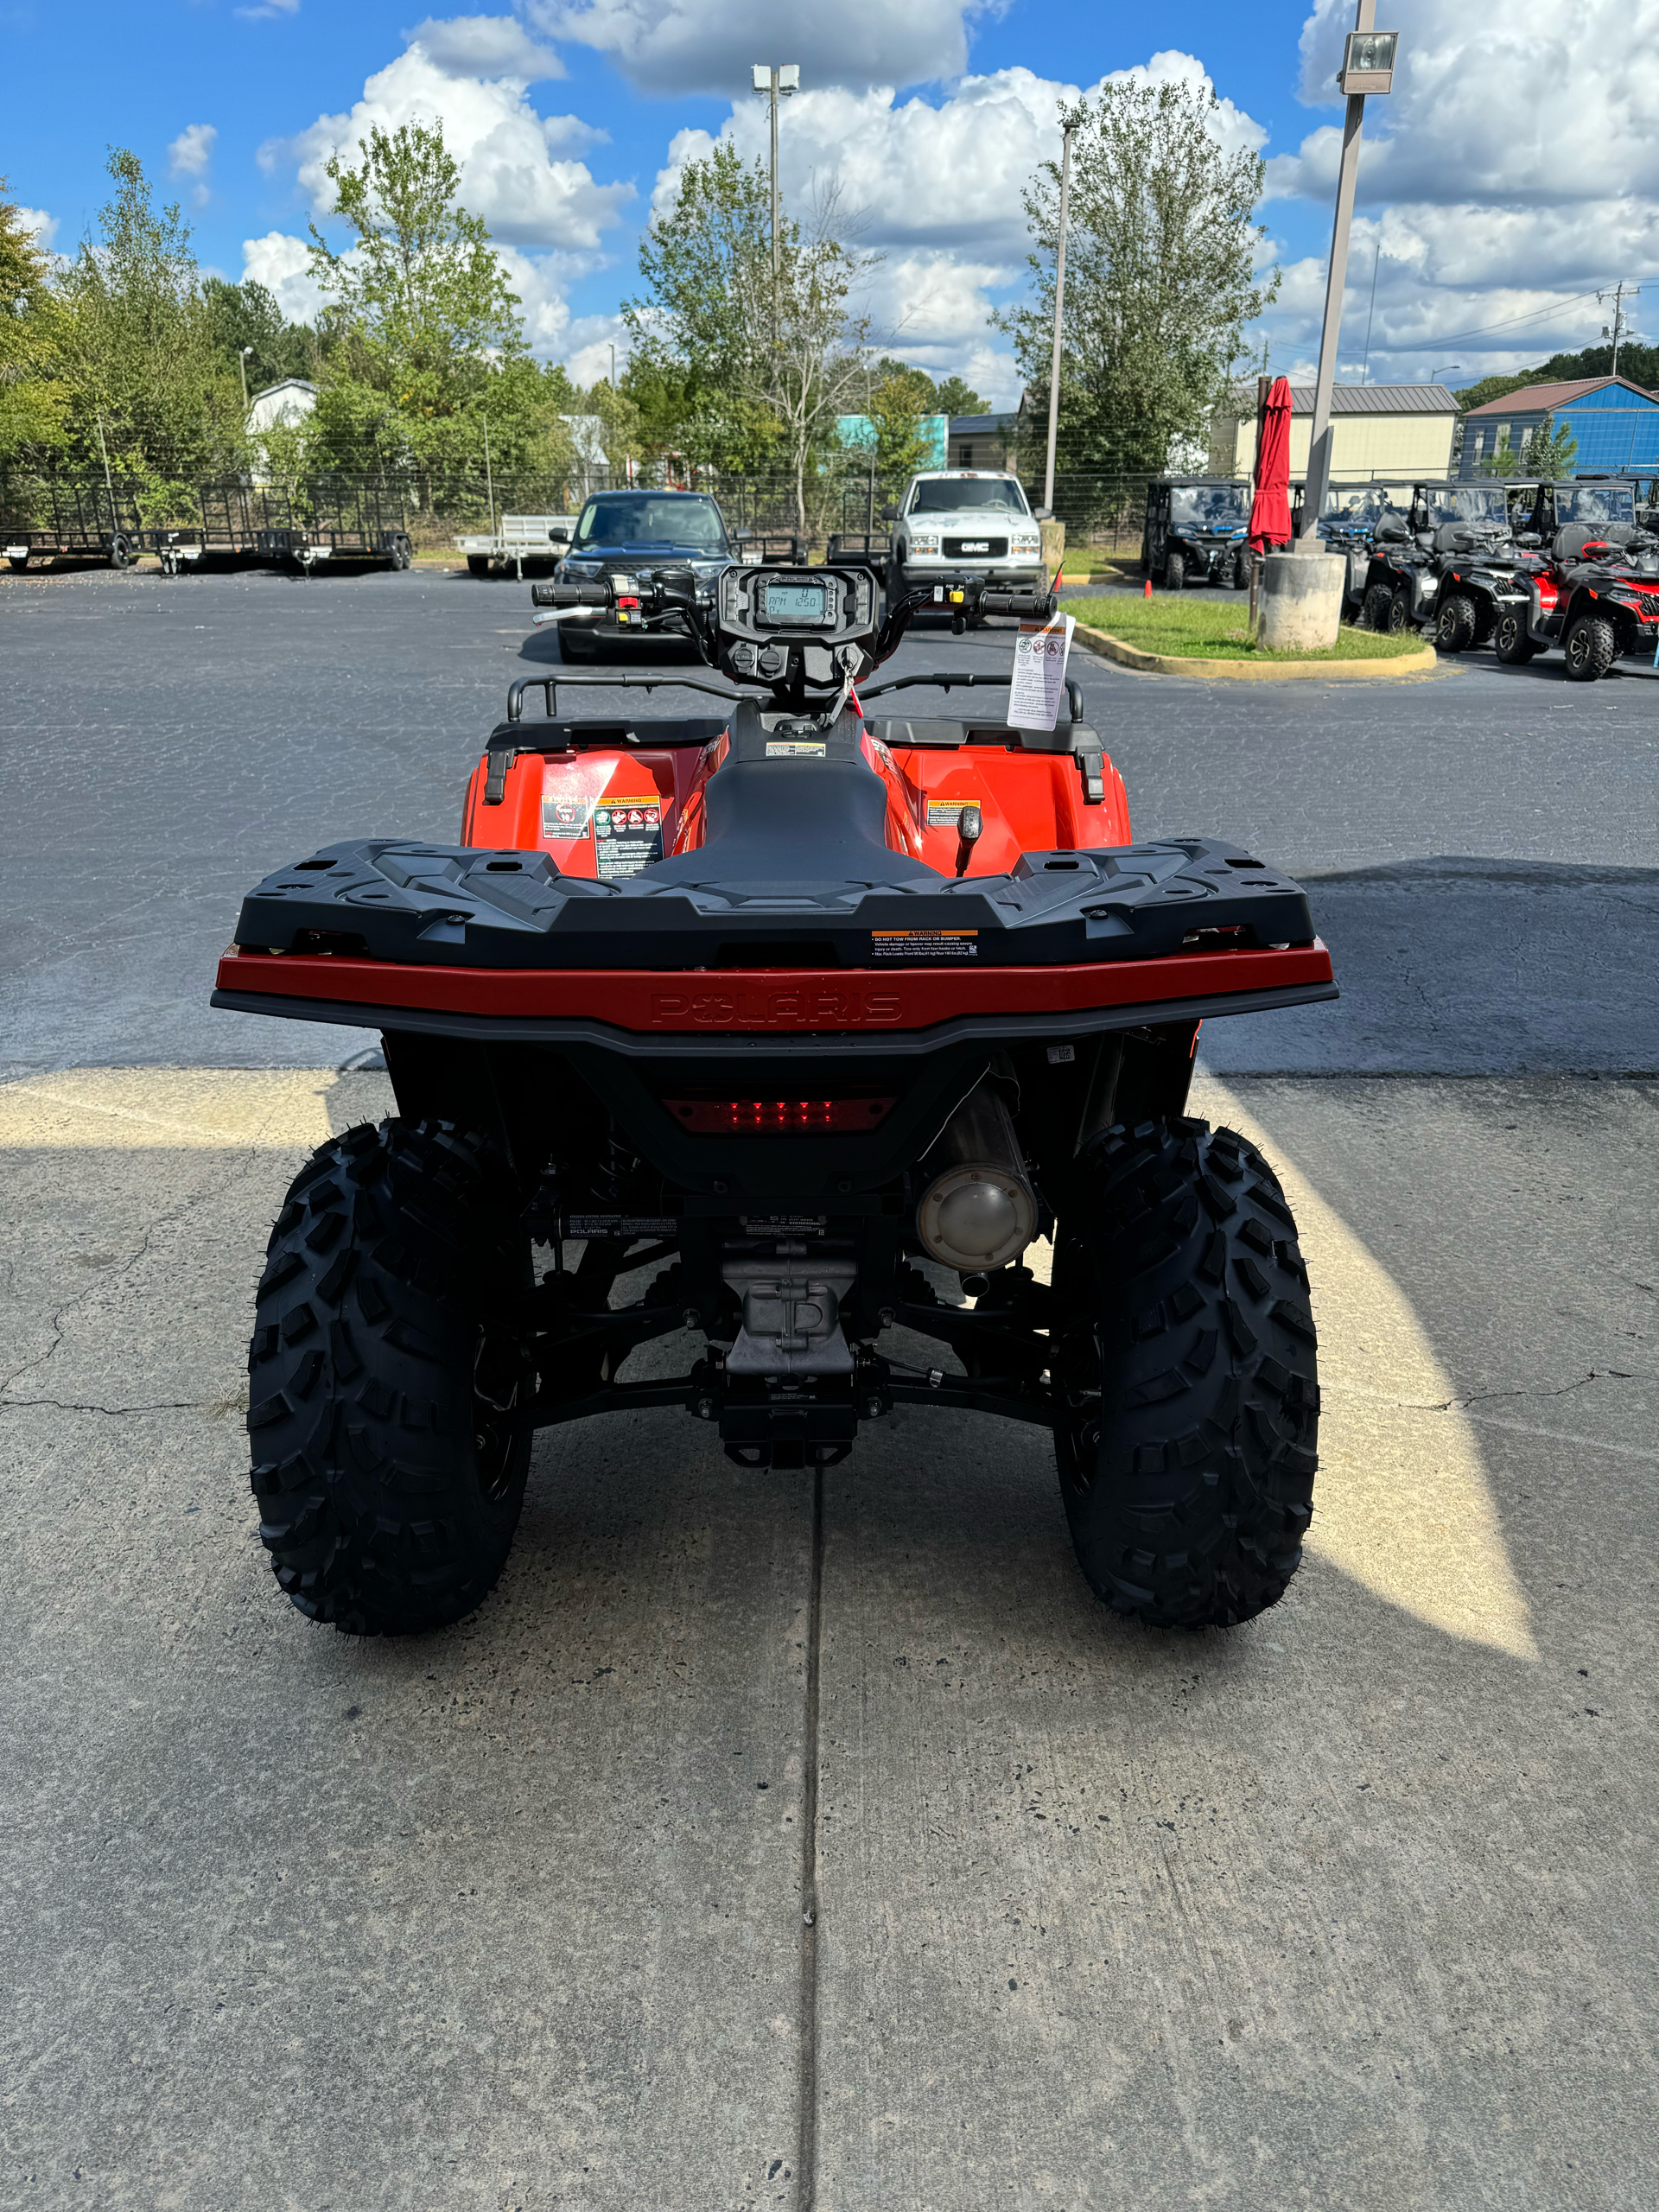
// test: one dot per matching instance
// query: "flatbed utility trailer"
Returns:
(540, 540)
(347, 522)
(778, 546)
(77, 522)
(860, 549)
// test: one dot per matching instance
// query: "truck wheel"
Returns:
(1187, 1457)
(385, 1367)
(1454, 626)
(1592, 648)
(1379, 607)
(1174, 572)
(1511, 641)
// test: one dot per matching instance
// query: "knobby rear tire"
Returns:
(1512, 640)
(1454, 624)
(386, 1362)
(1188, 1479)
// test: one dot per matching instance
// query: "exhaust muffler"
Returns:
(978, 1211)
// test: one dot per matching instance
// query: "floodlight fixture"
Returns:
(1368, 62)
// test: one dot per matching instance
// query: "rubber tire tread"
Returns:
(1511, 641)
(1190, 1510)
(1455, 624)
(1379, 607)
(1602, 650)
(1174, 571)
(361, 1380)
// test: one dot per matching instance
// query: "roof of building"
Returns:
(1539, 398)
(982, 426)
(1378, 400)
(285, 384)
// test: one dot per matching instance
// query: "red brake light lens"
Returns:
(776, 1118)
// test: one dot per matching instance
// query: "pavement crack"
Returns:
(76, 1406)
(806, 2134)
(251, 1159)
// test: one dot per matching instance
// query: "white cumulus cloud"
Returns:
(282, 265)
(1509, 175)
(684, 46)
(511, 171)
(486, 45)
(936, 186)
(40, 226)
(192, 151)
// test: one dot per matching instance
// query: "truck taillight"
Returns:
(763, 1117)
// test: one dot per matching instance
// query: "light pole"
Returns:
(1059, 310)
(1367, 67)
(1445, 369)
(777, 82)
(242, 364)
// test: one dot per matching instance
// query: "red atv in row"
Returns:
(779, 1040)
(1595, 594)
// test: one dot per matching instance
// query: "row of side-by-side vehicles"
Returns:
(1527, 568)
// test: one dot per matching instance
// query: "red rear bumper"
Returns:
(756, 1001)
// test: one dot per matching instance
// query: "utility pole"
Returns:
(776, 81)
(242, 364)
(1368, 66)
(489, 474)
(1059, 310)
(1618, 294)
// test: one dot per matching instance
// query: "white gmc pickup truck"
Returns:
(954, 523)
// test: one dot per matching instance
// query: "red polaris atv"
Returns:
(722, 1031)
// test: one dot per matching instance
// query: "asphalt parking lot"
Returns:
(1351, 1908)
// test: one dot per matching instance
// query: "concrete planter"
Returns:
(1299, 609)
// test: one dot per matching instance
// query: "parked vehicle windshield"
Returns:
(1208, 506)
(1362, 506)
(1593, 503)
(1476, 503)
(640, 518)
(951, 495)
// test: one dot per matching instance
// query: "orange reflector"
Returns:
(763, 1117)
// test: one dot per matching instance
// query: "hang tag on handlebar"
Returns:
(1040, 653)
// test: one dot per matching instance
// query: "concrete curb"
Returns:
(1262, 671)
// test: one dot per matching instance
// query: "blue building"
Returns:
(853, 431)
(1615, 422)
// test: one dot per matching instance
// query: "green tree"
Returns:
(247, 315)
(953, 397)
(700, 337)
(34, 402)
(1160, 273)
(147, 389)
(897, 405)
(423, 344)
(1549, 454)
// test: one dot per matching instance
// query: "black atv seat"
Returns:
(777, 821)
(1454, 537)
(1570, 541)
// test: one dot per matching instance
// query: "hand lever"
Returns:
(969, 827)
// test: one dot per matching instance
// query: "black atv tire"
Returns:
(383, 1373)
(1455, 623)
(1188, 1480)
(1591, 648)
(1511, 640)
(1399, 610)
(1239, 573)
(1379, 605)
(1174, 571)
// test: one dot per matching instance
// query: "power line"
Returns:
(1457, 338)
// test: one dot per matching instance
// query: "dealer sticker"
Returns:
(924, 945)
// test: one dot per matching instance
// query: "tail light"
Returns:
(776, 1118)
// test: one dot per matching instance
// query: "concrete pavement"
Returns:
(1347, 1909)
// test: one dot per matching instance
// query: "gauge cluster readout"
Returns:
(823, 605)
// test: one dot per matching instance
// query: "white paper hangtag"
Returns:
(1040, 653)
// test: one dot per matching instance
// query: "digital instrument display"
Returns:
(789, 604)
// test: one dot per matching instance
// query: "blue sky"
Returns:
(1505, 183)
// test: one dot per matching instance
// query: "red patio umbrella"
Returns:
(1270, 509)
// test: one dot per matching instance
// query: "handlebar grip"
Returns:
(570, 594)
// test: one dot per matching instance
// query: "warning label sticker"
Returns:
(945, 813)
(628, 834)
(793, 748)
(924, 945)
